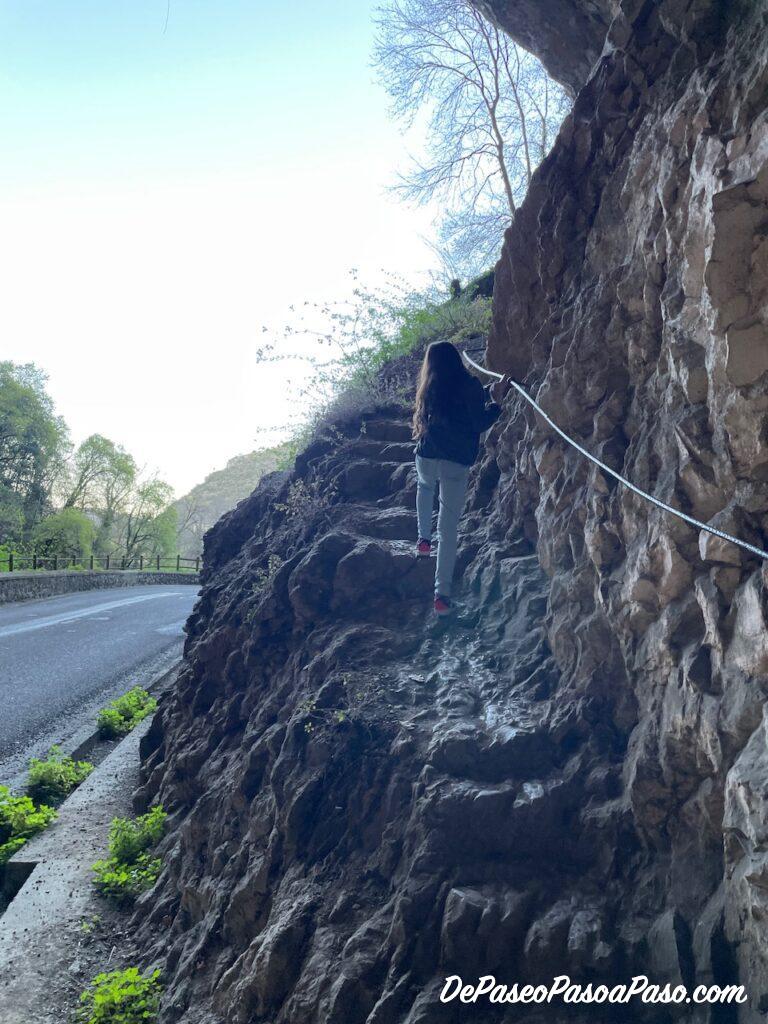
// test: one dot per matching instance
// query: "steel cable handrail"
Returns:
(617, 476)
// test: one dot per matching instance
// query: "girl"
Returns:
(451, 413)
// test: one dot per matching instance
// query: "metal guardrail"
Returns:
(110, 563)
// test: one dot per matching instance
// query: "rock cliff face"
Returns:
(572, 777)
(566, 35)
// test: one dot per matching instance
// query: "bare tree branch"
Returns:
(491, 114)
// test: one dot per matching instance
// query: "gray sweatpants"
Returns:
(453, 478)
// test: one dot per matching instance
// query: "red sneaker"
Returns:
(442, 605)
(424, 548)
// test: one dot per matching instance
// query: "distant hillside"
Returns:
(221, 490)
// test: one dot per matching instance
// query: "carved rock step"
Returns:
(395, 523)
(388, 430)
(354, 577)
(380, 451)
(370, 481)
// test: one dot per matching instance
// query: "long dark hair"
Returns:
(443, 383)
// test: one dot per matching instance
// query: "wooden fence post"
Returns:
(34, 561)
(10, 561)
(197, 564)
(91, 565)
(55, 562)
(178, 562)
(107, 561)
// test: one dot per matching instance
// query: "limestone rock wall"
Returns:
(566, 36)
(571, 777)
(631, 297)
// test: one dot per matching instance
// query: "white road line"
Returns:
(57, 620)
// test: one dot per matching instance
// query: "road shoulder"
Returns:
(58, 932)
(75, 732)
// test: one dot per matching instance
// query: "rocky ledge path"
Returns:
(365, 799)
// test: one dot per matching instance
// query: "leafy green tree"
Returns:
(68, 534)
(33, 446)
(11, 516)
(144, 532)
(101, 479)
(99, 495)
(164, 540)
(101, 476)
(114, 492)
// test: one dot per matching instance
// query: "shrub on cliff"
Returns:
(455, 321)
(365, 346)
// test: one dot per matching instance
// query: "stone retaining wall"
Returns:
(25, 586)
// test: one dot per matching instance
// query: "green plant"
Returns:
(314, 714)
(68, 534)
(121, 997)
(129, 838)
(130, 868)
(263, 578)
(296, 500)
(125, 713)
(267, 573)
(359, 342)
(34, 448)
(303, 499)
(354, 336)
(56, 776)
(20, 819)
(454, 321)
(124, 882)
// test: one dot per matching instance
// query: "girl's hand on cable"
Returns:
(500, 389)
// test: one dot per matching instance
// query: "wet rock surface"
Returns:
(569, 777)
(356, 779)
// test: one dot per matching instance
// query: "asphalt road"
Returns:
(63, 657)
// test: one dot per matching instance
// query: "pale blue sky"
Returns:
(164, 194)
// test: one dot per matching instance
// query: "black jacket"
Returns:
(458, 438)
